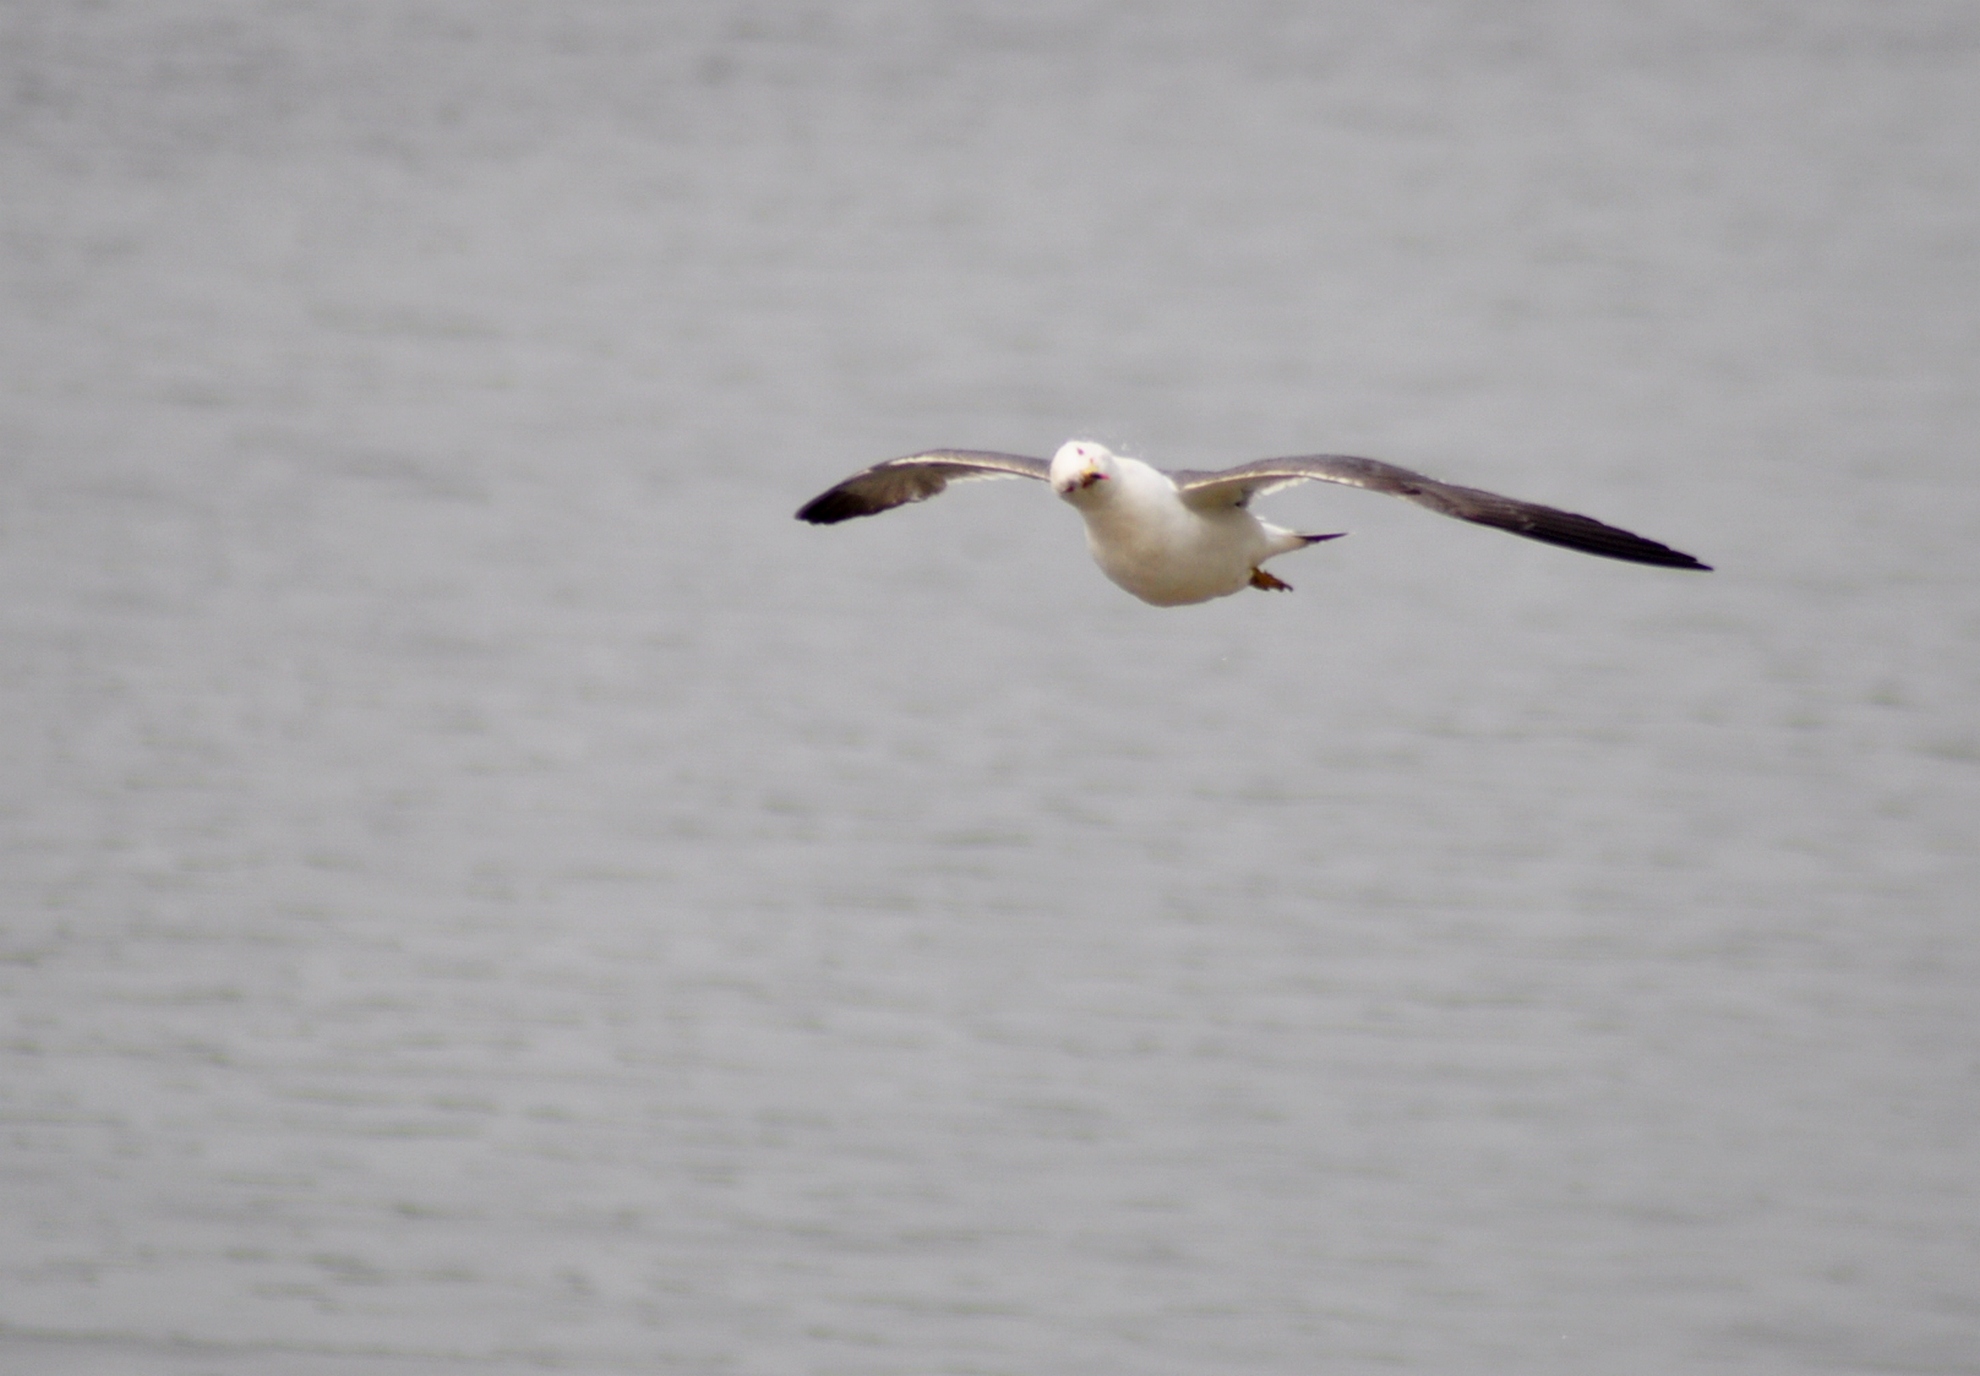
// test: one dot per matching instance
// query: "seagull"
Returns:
(1177, 537)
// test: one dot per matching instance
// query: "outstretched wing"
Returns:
(915, 478)
(1236, 486)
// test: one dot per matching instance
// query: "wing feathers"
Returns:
(915, 478)
(1235, 486)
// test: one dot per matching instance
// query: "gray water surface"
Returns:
(487, 891)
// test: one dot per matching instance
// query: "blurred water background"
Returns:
(486, 891)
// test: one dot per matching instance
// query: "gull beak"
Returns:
(1090, 477)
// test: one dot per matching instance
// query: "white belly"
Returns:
(1185, 557)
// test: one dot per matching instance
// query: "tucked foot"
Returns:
(1262, 579)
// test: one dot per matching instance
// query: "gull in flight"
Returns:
(1176, 537)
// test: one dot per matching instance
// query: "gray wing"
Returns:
(1236, 486)
(915, 478)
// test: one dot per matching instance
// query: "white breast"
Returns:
(1146, 540)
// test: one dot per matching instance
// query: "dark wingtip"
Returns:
(1663, 558)
(832, 507)
(1592, 537)
(1674, 559)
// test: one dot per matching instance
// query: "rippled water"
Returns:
(488, 891)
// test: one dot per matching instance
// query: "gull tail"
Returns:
(1316, 539)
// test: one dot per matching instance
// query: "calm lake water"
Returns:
(487, 891)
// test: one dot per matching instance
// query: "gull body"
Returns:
(1149, 541)
(1173, 538)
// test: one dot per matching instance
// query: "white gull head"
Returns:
(1079, 467)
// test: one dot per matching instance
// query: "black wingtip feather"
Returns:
(1634, 550)
(1611, 543)
(830, 508)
